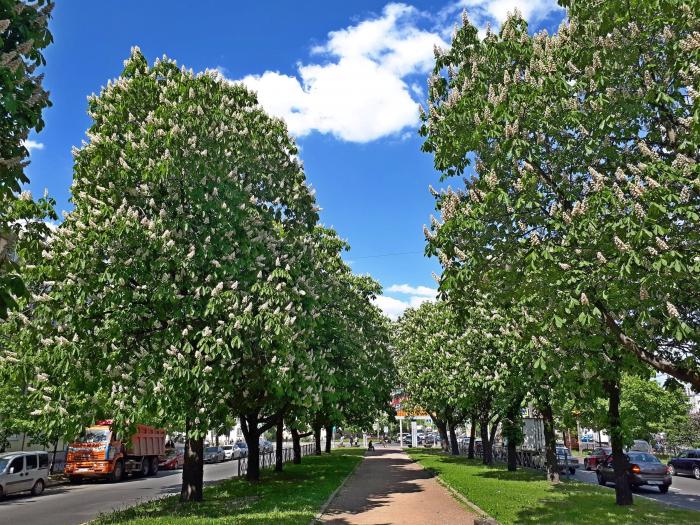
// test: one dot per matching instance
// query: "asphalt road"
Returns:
(75, 504)
(684, 491)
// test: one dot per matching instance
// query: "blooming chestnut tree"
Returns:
(23, 35)
(177, 268)
(585, 170)
(584, 193)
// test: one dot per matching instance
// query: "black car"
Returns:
(242, 449)
(644, 469)
(687, 462)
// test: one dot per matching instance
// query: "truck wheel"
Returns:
(153, 470)
(38, 487)
(145, 467)
(118, 472)
(2, 492)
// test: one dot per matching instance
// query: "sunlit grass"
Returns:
(291, 497)
(525, 497)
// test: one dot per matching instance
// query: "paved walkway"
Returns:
(388, 488)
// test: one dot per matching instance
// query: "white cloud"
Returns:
(423, 291)
(359, 91)
(415, 296)
(496, 11)
(31, 145)
(393, 308)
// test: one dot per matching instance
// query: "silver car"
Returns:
(23, 471)
(230, 452)
(214, 455)
(643, 469)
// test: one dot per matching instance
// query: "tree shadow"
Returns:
(292, 496)
(567, 500)
(381, 476)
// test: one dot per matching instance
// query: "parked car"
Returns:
(566, 460)
(174, 459)
(598, 456)
(266, 446)
(687, 462)
(641, 446)
(240, 449)
(22, 471)
(229, 452)
(214, 455)
(644, 469)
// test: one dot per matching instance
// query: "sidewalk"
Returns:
(388, 488)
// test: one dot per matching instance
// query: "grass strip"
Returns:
(291, 497)
(524, 497)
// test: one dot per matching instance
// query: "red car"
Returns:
(174, 459)
(598, 456)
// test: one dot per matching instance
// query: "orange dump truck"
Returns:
(100, 453)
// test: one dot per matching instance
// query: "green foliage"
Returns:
(583, 204)
(23, 35)
(174, 286)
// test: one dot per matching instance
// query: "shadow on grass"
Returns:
(290, 497)
(575, 503)
(524, 497)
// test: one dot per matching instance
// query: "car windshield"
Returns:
(94, 435)
(171, 453)
(228, 447)
(3, 463)
(643, 458)
(212, 449)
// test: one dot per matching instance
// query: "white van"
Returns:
(22, 471)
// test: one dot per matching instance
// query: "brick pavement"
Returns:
(388, 488)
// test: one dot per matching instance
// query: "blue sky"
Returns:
(347, 79)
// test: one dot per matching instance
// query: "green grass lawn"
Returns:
(291, 497)
(524, 497)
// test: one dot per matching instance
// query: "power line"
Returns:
(385, 255)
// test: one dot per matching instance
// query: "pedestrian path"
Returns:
(388, 488)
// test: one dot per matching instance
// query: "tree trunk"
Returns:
(623, 490)
(453, 440)
(494, 430)
(486, 451)
(251, 433)
(472, 438)
(512, 432)
(512, 455)
(317, 439)
(193, 469)
(442, 430)
(550, 443)
(329, 439)
(296, 446)
(279, 445)
(53, 458)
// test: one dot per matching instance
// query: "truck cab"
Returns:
(100, 453)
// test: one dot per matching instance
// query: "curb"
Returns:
(482, 519)
(317, 518)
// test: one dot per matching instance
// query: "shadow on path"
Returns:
(389, 488)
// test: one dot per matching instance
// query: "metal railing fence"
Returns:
(268, 459)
